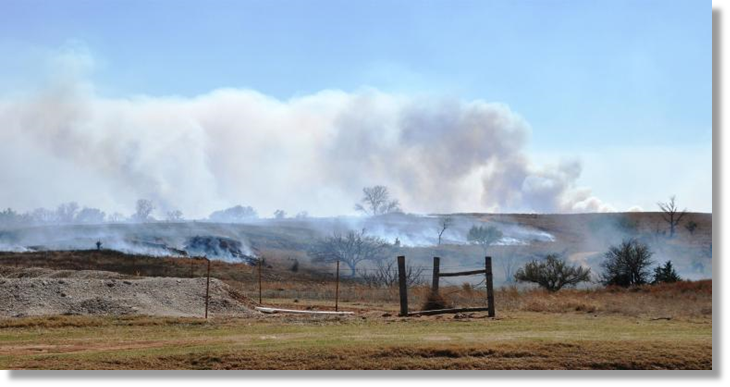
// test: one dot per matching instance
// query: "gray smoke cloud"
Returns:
(315, 152)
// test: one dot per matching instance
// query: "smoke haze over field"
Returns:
(315, 152)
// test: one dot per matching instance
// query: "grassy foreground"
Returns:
(515, 340)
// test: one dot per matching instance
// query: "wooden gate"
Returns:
(403, 287)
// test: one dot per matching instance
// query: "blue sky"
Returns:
(591, 77)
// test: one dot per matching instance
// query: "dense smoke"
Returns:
(314, 152)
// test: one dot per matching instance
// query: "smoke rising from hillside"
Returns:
(235, 146)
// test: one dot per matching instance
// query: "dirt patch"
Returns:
(39, 272)
(95, 293)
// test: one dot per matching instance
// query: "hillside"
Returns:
(583, 238)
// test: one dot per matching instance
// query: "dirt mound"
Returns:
(39, 272)
(48, 295)
(100, 305)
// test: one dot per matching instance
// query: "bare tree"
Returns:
(671, 214)
(376, 201)
(510, 262)
(553, 273)
(91, 215)
(66, 212)
(509, 267)
(444, 224)
(143, 210)
(350, 249)
(174, 216)
(9, 217)
(116, 217)
(385, 274)
(43, 216)
(691, 226)
(279, 214)
(234, 214)
(483, 236)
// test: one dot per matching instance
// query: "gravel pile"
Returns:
(159, 296)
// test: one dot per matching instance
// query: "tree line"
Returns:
(624, 265)
(72, 213)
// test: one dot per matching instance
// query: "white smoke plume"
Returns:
(231, 146)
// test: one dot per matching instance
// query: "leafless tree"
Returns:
(235, 214)
(115, 217)
(10, 217)
(671, 214)
(91, 216)
(279, 214)
(144, 210)
(43, 216)
(376, 201)
(510, 263)
(444, 224)
(484, 236)
(691, 226)
(66, 212)
(509, 267)
(350, 249)
(553, 273)
(385, 275)
(174, 216)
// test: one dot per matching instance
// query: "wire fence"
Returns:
(298, 284)
(321, 287)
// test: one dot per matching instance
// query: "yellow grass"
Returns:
(514, 341)
(651, 327)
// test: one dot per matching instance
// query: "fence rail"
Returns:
(403, 287)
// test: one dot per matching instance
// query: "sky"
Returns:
(624, 88)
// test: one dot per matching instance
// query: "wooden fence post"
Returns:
(337, 287)
(490, 285)
(403, 286)
(435, 279)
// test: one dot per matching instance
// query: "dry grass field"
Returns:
(650, 327)
(514, 340)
